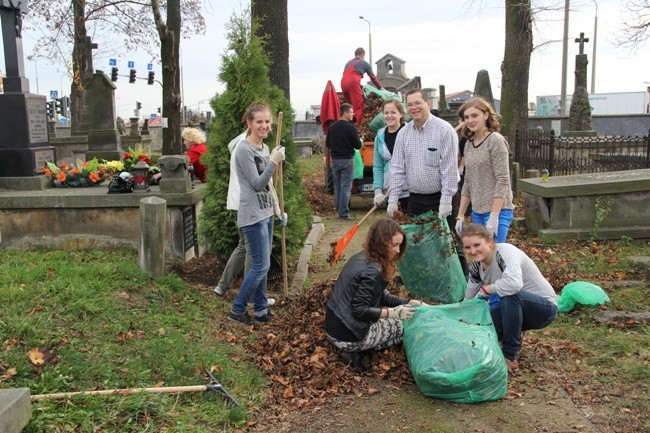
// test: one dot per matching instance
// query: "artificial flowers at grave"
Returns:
(130, 159)
(84, 174)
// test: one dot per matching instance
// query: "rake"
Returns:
(341, 244)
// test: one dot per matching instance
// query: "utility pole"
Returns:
(565, 48)
(593, 59)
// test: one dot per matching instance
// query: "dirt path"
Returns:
(535, 402)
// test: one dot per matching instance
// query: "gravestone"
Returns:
(580, 111)
(442, 100)
(24, 144)
(605, 205)
(136, 137)
(103, 137)
(483, 88)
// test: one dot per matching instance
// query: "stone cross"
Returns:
(11, 16)
(89, 46)
(582, 40)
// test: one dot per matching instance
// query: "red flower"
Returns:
(126, 156)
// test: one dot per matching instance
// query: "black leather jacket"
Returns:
(359, 295)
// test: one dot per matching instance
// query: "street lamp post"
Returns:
(369, 40)
(593, 60)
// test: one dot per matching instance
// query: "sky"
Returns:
(443, 42)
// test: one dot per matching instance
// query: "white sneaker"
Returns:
(219, 291)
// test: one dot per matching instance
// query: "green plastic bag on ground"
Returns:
(582, 293)
(430, 267)
(453, 352)
(358, 164)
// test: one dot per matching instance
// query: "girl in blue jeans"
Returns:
(528, 301)
(487, 170)
(257, 204)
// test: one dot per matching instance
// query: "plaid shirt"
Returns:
(426, 159)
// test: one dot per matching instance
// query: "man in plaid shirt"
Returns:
(426, 159)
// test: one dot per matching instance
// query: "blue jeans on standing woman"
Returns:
(343, 173)
(520, 312)
(259, 237)
(505, 216)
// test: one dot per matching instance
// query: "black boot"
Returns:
(354, 359)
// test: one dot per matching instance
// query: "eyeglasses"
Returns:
(414, 104)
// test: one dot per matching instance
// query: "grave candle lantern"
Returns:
(140, 172)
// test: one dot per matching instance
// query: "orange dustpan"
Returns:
(339, 246)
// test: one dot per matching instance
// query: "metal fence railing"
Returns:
(563, 155)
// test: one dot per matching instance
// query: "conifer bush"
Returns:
(244, 72)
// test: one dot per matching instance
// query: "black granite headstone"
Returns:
(24, 144)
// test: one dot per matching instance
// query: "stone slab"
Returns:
(588, 184)
(92, 197)
(15, 409)
(26, 183)
(637, 232)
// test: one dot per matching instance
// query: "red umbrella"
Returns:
(329, 107)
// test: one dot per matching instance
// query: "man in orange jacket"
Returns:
(351, 82)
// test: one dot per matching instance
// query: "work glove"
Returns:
(460, 225)
(402, 312)
(281, 216)
(380, 198)
(277, 155)
(416, 303)
(445, 210)
(492, 225)
(391, 210)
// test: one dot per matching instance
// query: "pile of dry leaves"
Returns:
(303, 369)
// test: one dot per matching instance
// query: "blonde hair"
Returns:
(193, 136)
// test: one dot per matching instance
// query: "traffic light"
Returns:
(114, 73)
(132, 76)
(49, 108)
(59, 106)
(138, 105)
(65, 101)
(151, 77)
(159, 109)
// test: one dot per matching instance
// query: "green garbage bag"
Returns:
(453, 352)
(358, 164)
(382, 93)
(581, 292)
(430, 268)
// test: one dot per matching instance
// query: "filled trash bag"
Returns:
(453, 352)
(582, 293)
(430, 268)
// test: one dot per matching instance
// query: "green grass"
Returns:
(107, 325)
(312, 165)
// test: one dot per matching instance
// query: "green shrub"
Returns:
(244, 72)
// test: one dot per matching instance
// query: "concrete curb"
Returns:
(15, 409)
(302, 268)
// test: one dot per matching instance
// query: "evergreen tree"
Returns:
(244, 72)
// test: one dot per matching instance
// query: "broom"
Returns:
(341, 244)
(280, 184)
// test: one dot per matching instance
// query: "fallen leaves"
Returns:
(303, 367)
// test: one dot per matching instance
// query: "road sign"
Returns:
(149, 66)
(153, 115)
(112, 62)
(54, 94)
(131, 64)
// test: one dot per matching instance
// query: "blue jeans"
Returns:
(505, 216)
(520, 312)
(343, 173)
(258, 237)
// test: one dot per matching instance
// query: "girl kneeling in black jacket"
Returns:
(361, 314)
